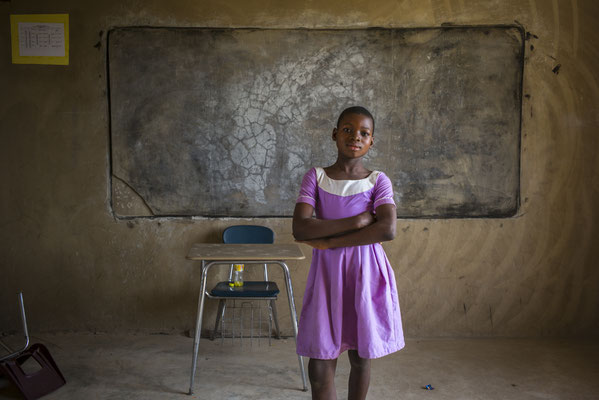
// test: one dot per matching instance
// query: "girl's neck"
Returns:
(347, 169)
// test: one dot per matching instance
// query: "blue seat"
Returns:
(251, 290)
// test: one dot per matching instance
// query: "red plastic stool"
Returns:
(33, 386)
(36, 384)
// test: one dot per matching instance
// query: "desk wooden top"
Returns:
(245, 252)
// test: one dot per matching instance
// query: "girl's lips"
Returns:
(354, 147)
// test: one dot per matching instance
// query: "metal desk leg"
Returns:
(293, 318)
(196, 339)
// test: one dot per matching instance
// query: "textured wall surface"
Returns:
(249, 111)
(81, 269)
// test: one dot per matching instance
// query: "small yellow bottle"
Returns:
(237, 276)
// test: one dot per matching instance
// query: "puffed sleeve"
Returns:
(309, 189)
(383, 191)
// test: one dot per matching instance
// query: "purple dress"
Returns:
(351, 295)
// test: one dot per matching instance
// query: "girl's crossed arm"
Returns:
(306, 228)
(381, 229)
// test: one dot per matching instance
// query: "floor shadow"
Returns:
(9, 391)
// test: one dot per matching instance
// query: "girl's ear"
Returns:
(334, 135)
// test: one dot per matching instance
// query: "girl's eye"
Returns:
(364, 133)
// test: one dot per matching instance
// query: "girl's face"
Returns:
(354, 135)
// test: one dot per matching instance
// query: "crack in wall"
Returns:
(138, 196)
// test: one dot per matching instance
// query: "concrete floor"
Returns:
(157, 367)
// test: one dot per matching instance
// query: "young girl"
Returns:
(350, 301)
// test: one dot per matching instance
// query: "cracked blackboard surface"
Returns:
(225, 122)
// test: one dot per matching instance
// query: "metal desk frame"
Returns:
(196, 341)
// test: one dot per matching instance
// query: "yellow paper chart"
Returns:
(40, 38)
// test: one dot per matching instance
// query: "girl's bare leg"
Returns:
(359, 376)
(322, 379)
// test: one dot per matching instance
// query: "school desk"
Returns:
(211, 254)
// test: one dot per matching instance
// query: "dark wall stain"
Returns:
(556, 69)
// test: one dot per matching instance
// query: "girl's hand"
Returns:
(321, 244)
(364, 219)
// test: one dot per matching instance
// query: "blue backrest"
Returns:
(247, 234)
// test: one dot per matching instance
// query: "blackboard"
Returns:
(225, 122)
